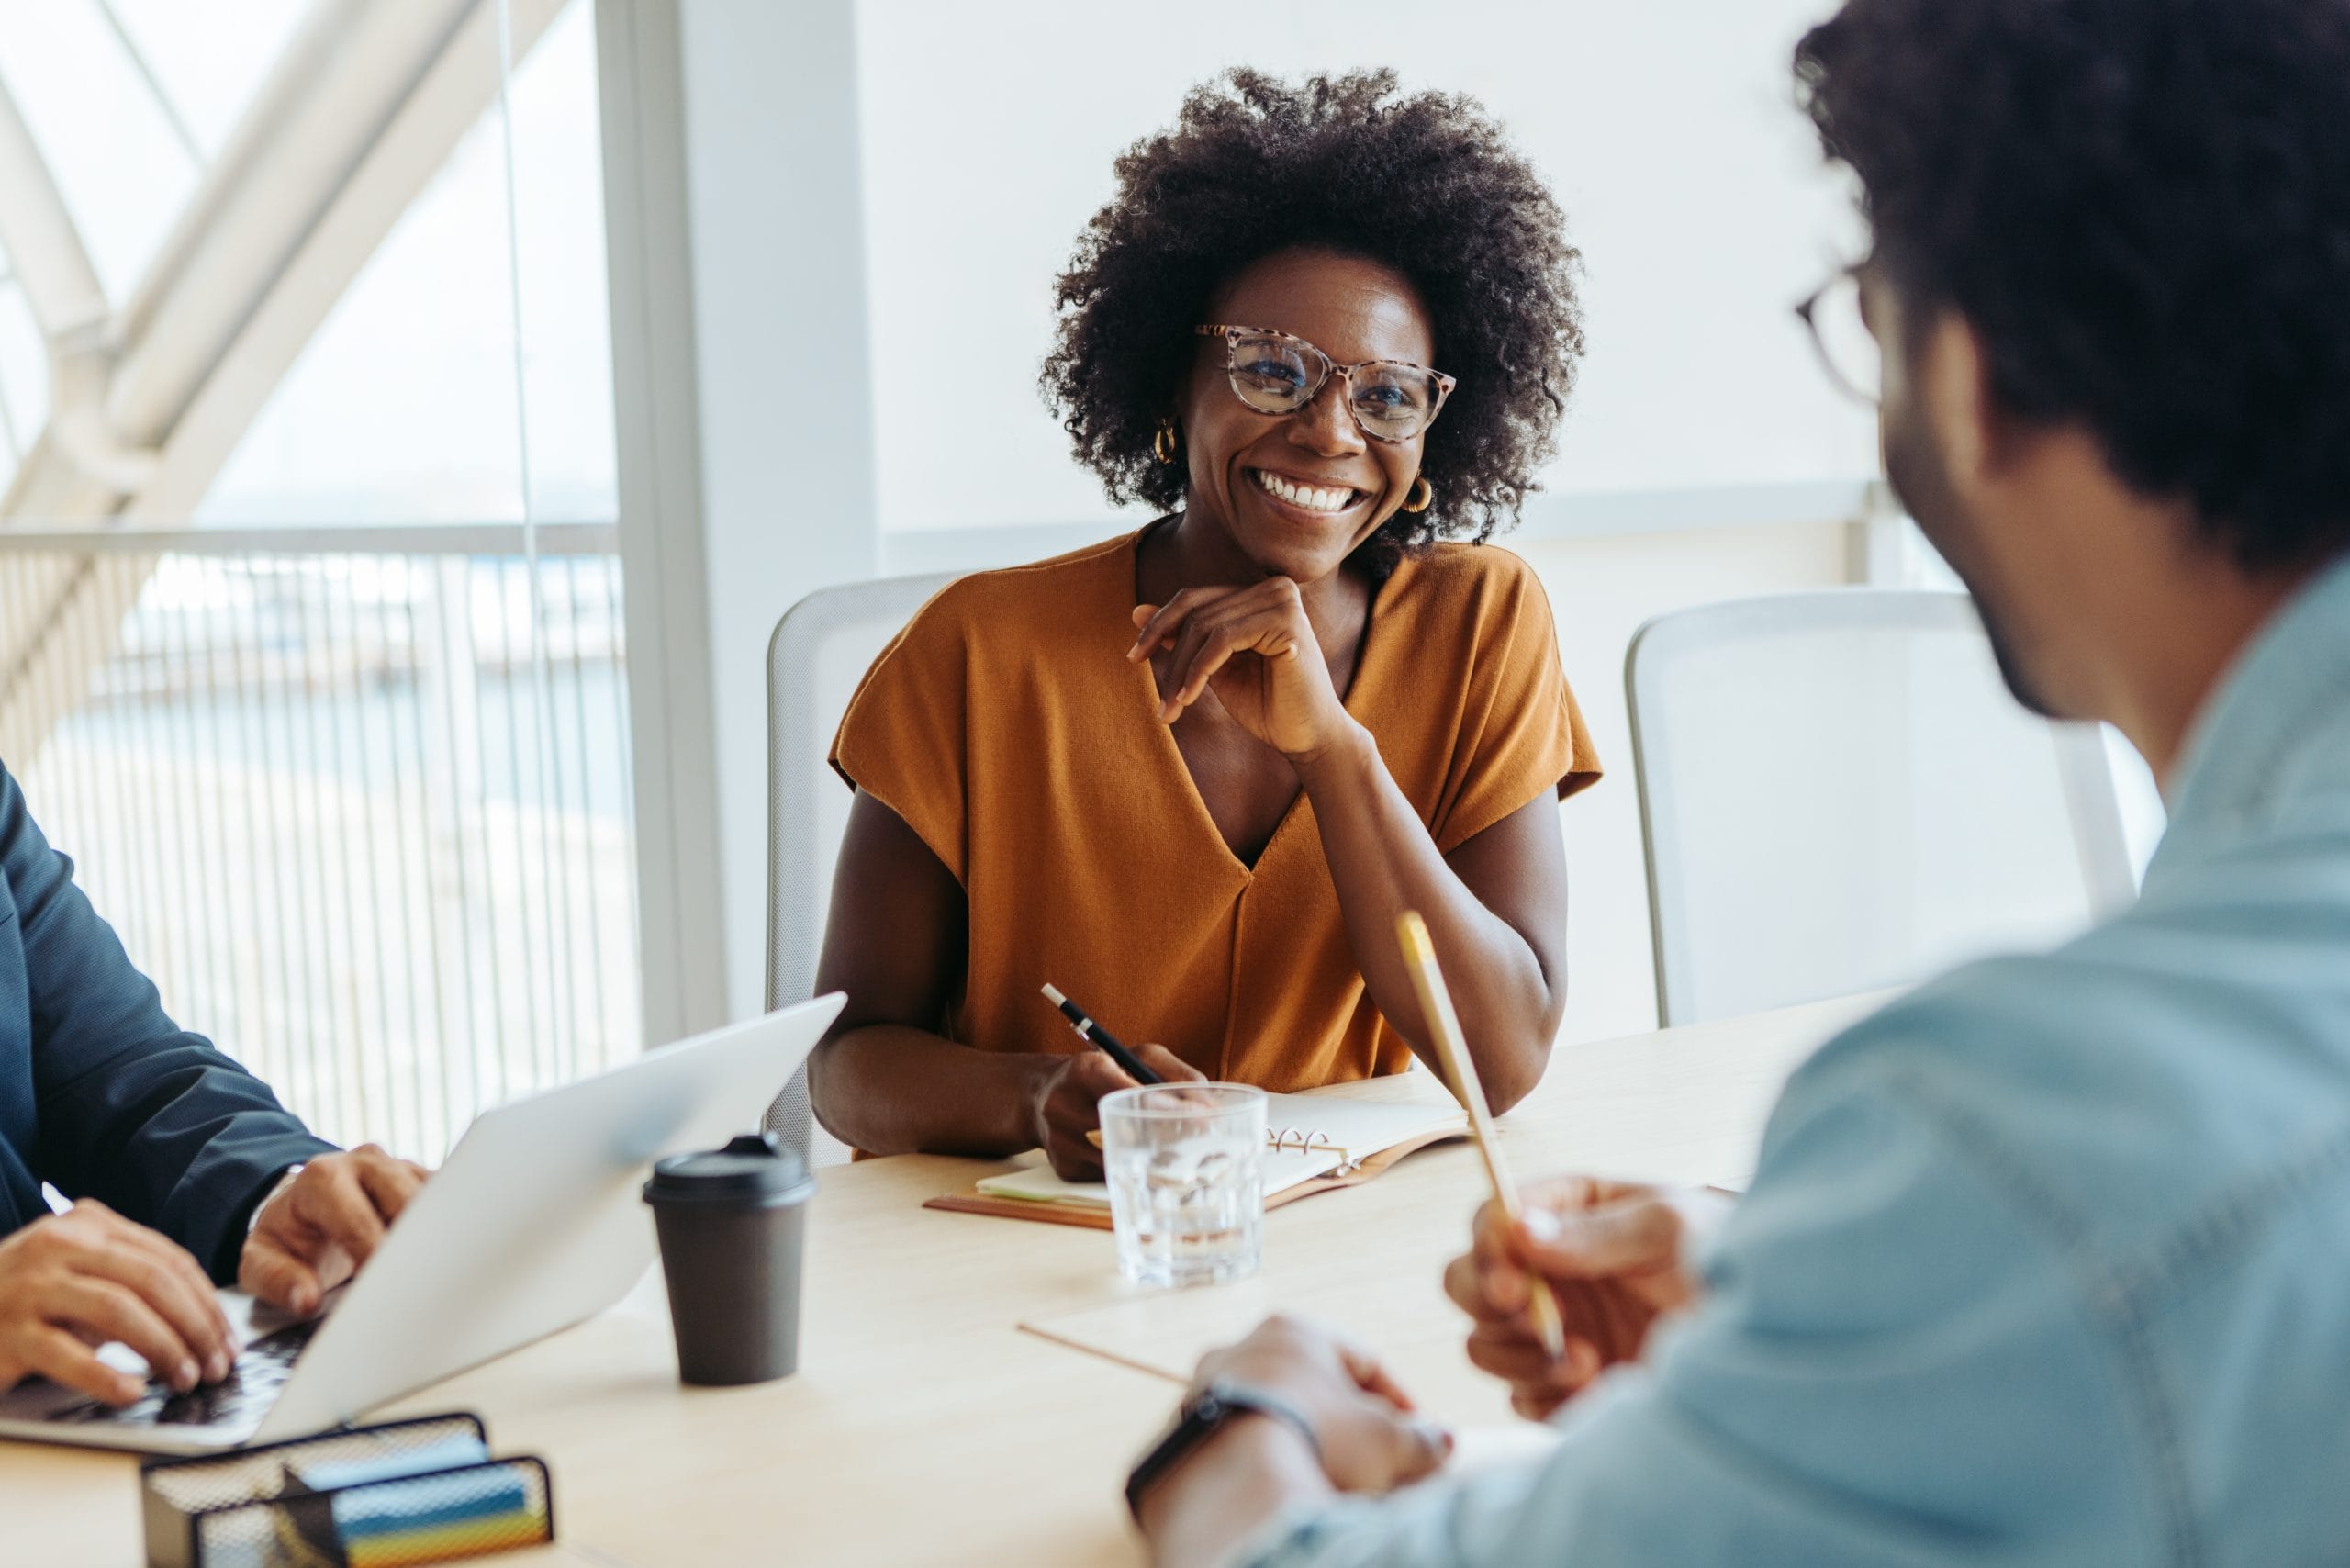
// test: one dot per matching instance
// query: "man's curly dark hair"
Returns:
(1423, 183)
(2142, 206)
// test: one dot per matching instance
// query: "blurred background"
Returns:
(416, 414)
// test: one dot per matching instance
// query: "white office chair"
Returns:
(821, 649)
(1838, 793)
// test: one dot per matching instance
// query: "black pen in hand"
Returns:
(1101, 1039)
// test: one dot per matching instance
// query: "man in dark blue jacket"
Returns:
(184, 1168)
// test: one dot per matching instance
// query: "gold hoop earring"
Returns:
(1423, 495)
(1166, 444)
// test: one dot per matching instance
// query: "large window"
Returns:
(310, 609)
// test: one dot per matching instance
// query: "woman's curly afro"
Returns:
(1422, 182)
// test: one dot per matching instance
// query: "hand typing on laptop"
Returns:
(70, 1282)
(74, 1281)
(554, 1173)
(169, 1144)
(324, 1222)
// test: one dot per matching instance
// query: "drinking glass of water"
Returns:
(1187, 1185)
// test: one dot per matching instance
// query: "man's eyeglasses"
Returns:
(1838, 317)
(1275, 372)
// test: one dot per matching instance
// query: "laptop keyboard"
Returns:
(250, 1388)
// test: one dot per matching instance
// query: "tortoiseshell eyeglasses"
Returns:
(1275, 372)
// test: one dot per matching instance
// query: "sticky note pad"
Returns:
(433, 1517)
(391, 1464)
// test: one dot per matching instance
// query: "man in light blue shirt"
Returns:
(2050, 1261)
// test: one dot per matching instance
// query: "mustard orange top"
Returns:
(1008, 729)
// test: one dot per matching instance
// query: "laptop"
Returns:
(534, 1224)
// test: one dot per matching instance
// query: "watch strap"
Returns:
(1203, 1416)
(1246, 1397)
(285, 1179)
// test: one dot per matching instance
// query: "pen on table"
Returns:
(1101, 1039)
(1460, 1072)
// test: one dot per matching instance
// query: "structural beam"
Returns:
(742, 387)
(363, 110)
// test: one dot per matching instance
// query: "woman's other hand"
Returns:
(1065, 1104)
(1256, 649)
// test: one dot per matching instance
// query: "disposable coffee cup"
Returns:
(731, 1222)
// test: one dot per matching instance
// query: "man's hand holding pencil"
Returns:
(1613, 1255)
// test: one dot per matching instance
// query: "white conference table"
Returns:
(972, 1389)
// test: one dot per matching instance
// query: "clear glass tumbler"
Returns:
(1187, 1183)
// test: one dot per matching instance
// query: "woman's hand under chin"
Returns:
(1256, 649)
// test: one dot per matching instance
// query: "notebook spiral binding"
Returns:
(1305, 1140)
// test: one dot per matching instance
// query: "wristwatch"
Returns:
(285, 1179)
(1201, 1417)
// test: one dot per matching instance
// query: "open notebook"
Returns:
(1313, 1144)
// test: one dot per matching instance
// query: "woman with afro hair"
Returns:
(1192, 775)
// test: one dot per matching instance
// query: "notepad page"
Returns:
(1361, 1128)
(1037, 1185)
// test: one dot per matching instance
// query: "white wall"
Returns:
(1667, 130)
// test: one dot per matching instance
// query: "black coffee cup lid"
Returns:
(753, 1169)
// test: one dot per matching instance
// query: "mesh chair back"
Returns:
(1838, 793)
(821, 649)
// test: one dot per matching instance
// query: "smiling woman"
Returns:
(1328, 328)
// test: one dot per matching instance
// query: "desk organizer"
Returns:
(393, 1495)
